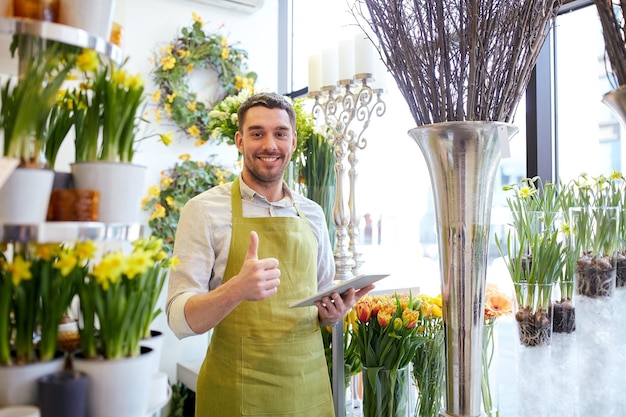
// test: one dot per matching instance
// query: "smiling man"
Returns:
(248, 249)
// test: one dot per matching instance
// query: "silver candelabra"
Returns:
(344, 111)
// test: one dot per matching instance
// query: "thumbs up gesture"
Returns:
(258, 278)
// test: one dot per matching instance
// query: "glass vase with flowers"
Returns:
(429, 359)
(386, 339)
(497, 304)
(534, 256)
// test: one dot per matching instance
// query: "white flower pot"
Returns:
(120, 185)
(120, 387)
(94, 16)
(25, 196)
(18, 383)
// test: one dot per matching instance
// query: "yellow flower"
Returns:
(168, 62)
(109, 270)
(526, 191)
(224, 42)
(47, 251)
(85, 250)
(197, 18)
(184, 157)
(193, 131)
(183, 53)
(166, 182)
(189, 68)
(20, 270)
(199, 142)
(156, 96)
(138, 263)
(168, 109)
(616, 175)
(159, 211)
(66, 263)
(169, 200)
(154, 191)
(88, 61)
(167, 138)
(135, 82)
(225, 53)
(171, 97)
(192, 105)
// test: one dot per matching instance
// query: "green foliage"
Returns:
(26, 105)
(178, 185)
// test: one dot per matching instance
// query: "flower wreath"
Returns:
(196, 49)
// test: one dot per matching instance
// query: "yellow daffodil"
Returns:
(20, 270)
(66, 263)
(197, 18)
(88, 61)
(167, 138)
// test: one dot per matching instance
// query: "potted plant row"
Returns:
(116, 299)
(44, 107)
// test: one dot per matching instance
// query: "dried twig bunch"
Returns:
(461, 59)
(612, 14)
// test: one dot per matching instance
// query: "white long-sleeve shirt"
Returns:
(203, 240)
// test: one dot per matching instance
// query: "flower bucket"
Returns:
(18, 383)
(385, 392)
(25, 195)
(120, 387)
(120, 187)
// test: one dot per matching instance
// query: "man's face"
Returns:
(266, 143)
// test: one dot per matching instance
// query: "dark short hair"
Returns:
(269, 100)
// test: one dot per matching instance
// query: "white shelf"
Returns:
(53, 232)
(48, 31)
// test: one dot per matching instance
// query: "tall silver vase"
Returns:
(462, 158)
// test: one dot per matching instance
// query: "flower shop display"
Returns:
(37, 284)
(26, 103)
(497, 304)
(386, 339)
(534, 257)
(429, 360)
(120, 294)
(194, 49)
(178, 185)
(107, 110)
(25, 107)
(427, 45)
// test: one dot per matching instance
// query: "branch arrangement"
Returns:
(612, 14)
(458, 60)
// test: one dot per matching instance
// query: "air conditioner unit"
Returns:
(246, 6)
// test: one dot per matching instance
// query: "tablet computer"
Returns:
(357, 283)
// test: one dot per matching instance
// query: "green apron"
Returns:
(265, 359)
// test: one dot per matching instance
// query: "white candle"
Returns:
(330, 66)
(346, 59)
(381, 75)
(364, 55)
(315, 73)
